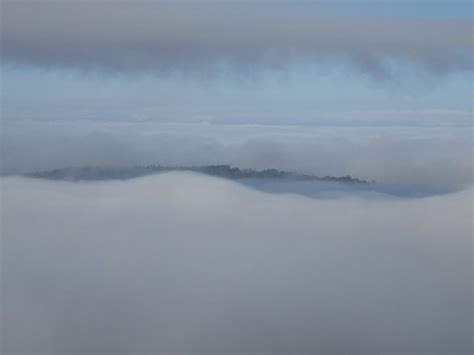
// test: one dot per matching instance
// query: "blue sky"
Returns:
(428, 9)
(304, 93)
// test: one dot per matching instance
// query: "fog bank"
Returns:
(439, 157)
(181, 262)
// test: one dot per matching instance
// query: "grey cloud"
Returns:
(195, 37)
(182, 263)
(438, 157)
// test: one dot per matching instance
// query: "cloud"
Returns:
(438, 157)
(182, 262)
(202, 37)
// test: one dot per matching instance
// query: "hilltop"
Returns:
(92, 173)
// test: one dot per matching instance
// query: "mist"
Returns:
(181, 262)
(337, 214)
(439, 157)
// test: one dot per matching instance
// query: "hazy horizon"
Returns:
(180, 262)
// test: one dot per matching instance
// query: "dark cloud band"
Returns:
(203, 37)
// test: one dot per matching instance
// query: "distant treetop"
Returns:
(224, 171)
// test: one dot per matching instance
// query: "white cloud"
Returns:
(183, 262)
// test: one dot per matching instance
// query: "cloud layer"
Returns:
(427, 156)
(204, 36)
(182, 262)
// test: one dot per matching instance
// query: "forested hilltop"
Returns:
(224, 171)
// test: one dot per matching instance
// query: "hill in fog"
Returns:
(224, 171)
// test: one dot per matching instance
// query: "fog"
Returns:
(180, 262)
(190, 37)
(439, 157)
(273, 262)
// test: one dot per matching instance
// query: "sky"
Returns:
(237, 62)
(378, 89)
